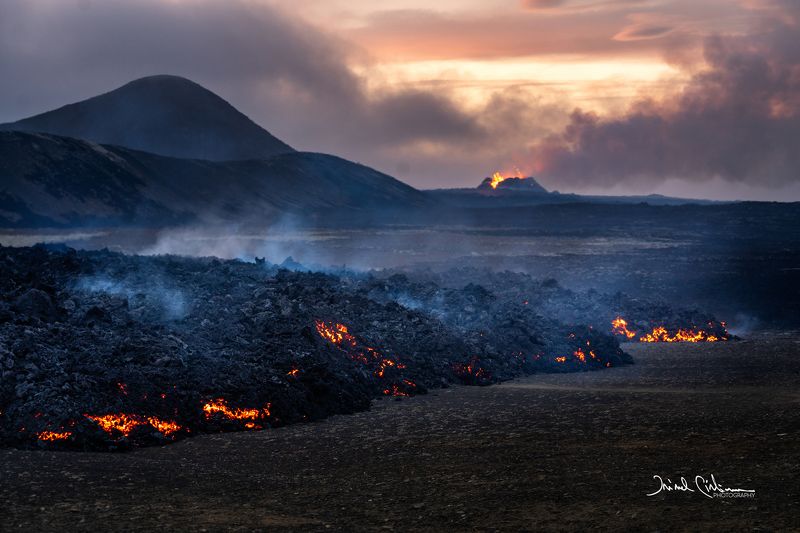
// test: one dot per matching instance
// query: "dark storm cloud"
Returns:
(739, 121)
(61, 50)
(308, 87)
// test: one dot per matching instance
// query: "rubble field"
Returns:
(104, 351)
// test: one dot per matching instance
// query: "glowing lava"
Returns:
(248, 416)
(335, 333)
(124, 423)
(53, 436)
(472, 370)
(660, 334)
(338, 335)
(619, 326)
(398, 390)
(497, 179)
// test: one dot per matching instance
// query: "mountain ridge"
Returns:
(62, 181)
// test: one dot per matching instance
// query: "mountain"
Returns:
(48, 180)
(165, 115)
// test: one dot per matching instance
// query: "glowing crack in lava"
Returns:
(472, 370)
(249, 417)
(53, 436)
(338, 335)
(580, 355)
(619, 326)
(401, 389)
(124, 423)
(335, 333)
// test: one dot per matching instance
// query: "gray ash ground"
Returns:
(102, 351)
(546, 452)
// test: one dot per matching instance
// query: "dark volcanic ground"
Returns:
(567, 451)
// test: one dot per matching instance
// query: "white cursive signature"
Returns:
(710, 488)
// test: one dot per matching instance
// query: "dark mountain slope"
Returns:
(51, 180)
(165, 115)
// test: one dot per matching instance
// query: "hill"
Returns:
(165, 115)
(47, 180)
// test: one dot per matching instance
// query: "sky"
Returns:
(682, 97)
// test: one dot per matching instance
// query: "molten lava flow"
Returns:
(619, 326)
(562, 359)
(336, 333)
(124, 423)
(382, 365)
(119, 423)
(339, 336)
(165, 427)
(660, 334)
(53, 436)
(248, 416)
(293, 372)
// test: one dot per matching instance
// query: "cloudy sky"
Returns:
(684, 97)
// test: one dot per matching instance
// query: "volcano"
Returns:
(514, 183)
(165, 115)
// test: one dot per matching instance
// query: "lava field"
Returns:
(104, 351)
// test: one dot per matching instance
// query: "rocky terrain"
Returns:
(51, 181)
(549, 452)
(103, 351)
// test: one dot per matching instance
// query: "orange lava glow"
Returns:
(293, 372)
(395, 390)
(335, 333)
(248, 416)
(471, 369)
(165, 427)
(497, 179)
(338, 335)
(562, 359)
(124, 424)
(53, 436)
(660, 334)
(619, 326)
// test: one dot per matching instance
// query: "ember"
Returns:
(472, 372)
